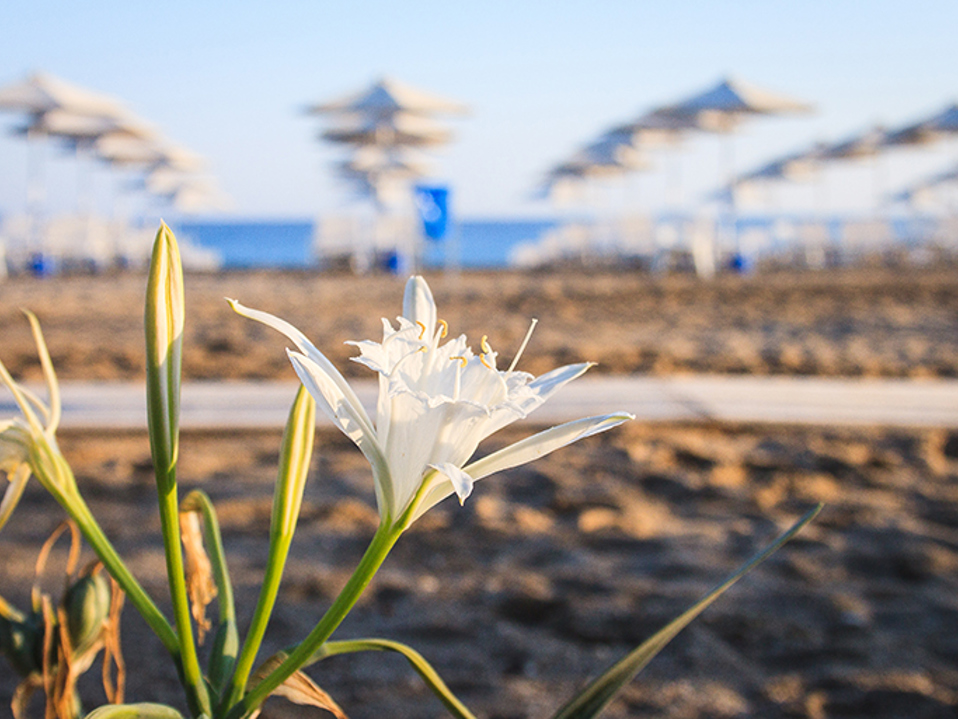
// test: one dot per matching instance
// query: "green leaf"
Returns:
(601, 691)
(422, 667)
(135, 711)
(295, 457)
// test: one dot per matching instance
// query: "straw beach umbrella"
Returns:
(41, 93)
(82, 132)
(379, 124)
(401, 129)
(387, 97)
(866, 144)
(926, 131)
(146, 154)
(611, 155)
(723, 107)
(381, 173)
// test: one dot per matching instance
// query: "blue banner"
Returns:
(433, 206)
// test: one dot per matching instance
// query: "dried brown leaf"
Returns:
(199, 571)
(299, 688)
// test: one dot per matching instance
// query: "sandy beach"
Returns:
(885, 323)
(552, 571)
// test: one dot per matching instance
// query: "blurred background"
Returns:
(698, 134)
(756, 196)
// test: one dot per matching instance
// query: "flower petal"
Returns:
(348, 416)
(541, 444)
(418, 305)
(461, 482)
(309, 349)
(551, 382)
(526, 450)
(18, 481)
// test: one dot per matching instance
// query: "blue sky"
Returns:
(228, 80)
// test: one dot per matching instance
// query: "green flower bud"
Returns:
(87, 604)
(22, 643)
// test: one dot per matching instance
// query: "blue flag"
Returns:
(433, 206)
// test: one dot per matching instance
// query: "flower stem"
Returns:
(81, 514)
(382, 542)
(192, 675)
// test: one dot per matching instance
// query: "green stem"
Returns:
(169, 520)
(257, 629)
(138, 597)
(382, 542)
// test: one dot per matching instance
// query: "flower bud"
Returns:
(22, 643)
(87, 605)
(164, 349)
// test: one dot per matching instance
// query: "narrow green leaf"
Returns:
(295, 457)
(422, 667)
(135, 711)
(601, 691)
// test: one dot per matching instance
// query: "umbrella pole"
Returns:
(35, 188)
(731, 220)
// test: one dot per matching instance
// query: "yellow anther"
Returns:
(484, 343)
(462, 359)
(482, 358)
(445, 328)
(422, 329)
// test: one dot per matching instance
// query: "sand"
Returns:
(552, 571)
(889, 323)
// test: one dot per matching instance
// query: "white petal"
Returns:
(412, 431)
(541, 444)
(526, 450)
(418, 305)
(309, 349)
(461, 482)
(18, 481)
(346, 416)
(548, 384)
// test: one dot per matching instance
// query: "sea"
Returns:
(470, 244)
(288, 244)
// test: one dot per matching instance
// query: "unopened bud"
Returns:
(87, 604)
(22, 643)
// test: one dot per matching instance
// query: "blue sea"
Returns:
(287, 244)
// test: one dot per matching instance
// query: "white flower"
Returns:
(437, 401)
(31, 439)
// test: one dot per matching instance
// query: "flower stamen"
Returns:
(444, 328)
(486, 350)
(422, 329)
(457, 388)
(522, 347)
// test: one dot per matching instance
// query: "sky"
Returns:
(230, 81)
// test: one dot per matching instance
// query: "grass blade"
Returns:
(422, 667)
(601, 691)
